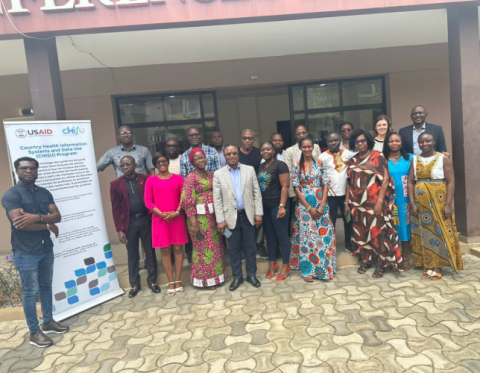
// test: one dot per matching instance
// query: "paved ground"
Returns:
(353, 324)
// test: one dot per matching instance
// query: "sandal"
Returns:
(171, 292)
(435, 275)
(425, 273)
(307, 279)
(178, 290)
(363, 268)
(280, 277)
(275, 267)
(379, 272)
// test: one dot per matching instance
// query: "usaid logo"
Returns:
(73, 131)
(41, 132)
(21, 133)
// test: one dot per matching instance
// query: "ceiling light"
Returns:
(254, 77)
(322, 85)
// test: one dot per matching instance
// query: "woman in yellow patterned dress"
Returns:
(431, 186)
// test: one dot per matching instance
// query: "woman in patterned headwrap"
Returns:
(431, 186)
(208, 265)
(313, 237)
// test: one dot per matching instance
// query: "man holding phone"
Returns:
(335, 162)
(238, 206)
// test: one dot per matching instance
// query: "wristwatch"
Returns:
(281, 205)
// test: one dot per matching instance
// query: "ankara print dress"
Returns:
(208, 264)
(372, 235)
(313, 241)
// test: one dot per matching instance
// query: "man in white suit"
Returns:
(238, 205)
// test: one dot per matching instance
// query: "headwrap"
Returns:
(193, 152)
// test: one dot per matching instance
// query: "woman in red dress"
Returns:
(369, 200)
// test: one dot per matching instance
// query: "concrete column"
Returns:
(44, 78)
(464, 68)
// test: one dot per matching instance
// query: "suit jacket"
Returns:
(406, 134)
(292, 157)
(224, 195)
(121, 203)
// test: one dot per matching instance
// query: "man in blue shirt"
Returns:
(33, 214)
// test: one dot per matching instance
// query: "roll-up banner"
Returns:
(84, 272)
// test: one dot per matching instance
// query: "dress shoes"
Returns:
(133, 292)
(236, 283)
(254, 282)
(155, 288)
(54, 327)
(40, 340)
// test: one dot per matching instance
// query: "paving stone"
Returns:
(381, 324)
(259, 337)
(369, 337)
(218, 342)
(354, 316)
(472, 365)
(341, 328)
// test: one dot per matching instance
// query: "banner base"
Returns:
(85, 306)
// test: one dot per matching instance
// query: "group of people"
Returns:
(387, 189)
(390, 189)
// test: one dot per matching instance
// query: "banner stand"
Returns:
(84, 273)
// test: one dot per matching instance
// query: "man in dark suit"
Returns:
(410, 133)
(132, 222)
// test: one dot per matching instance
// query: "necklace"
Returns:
(394, 159)
(366, 155)
(131, 186)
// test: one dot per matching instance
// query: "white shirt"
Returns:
(437, 172)
(335, 165)
(280, 157)
(174, 166)
(378, 146)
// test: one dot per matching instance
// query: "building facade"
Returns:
(161, 66)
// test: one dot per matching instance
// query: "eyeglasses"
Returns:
(346, 130)
(28, 168)
(125, 133)
(193, 135)
(160, 161)
(358, 142)
(231, 154)
(246, 138)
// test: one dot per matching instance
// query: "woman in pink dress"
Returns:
(162, 198)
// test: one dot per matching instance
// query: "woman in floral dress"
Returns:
(208, 265)
(313, 237)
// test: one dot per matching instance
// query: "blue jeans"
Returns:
(276, 231)
(36, 273)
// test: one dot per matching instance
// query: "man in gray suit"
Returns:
(238, 205)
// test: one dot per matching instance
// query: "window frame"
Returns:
(338, 109)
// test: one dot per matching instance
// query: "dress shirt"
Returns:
(174, 166)
(416, 135)
(237, 186)
(137, 205)
(141, 154)
(221, 158)
(213, 163)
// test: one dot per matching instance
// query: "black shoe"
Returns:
(133, 292)
(155, 288)
(262, 253)
(40, 340)
(55, 327)
(254, 281)
(236, 283)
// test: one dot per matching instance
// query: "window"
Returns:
(156, 118)
(322, 105)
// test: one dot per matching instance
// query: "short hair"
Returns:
(300, 125)
(173, 138)
(129, 156)
(16, 164)
(341, 124)
(159, 155)
(276, 134)
(359, 132)
(125, 126)
(229, 145)
(248, 130)
(382, 117)
(426, 133)
(267, 142)
(333, 133)
(194, 128)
